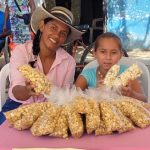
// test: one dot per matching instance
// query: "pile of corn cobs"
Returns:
(102, 117)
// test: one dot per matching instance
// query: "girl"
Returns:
(108, 51)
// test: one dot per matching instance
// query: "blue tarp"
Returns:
(130, 20)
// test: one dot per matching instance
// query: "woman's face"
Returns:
(54, 34)
(108, 53)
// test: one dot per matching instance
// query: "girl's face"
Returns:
(54, 34)
(107, 53)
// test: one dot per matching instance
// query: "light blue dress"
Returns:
(90, 75)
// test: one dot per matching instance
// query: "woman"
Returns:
(53, 28)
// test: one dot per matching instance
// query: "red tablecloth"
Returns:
(138, 139)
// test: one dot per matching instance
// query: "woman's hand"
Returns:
(30, 88)
(24, 92)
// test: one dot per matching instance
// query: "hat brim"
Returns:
(40, 14)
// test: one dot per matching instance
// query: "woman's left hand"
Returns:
(127, 91)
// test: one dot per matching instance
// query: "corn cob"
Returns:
(111, 75)
(23, 117)
(130, 74)
(127, 124)
(93, 118)
(102, 129)
(110, 116)
(139, 115)
(61, 128)
(130, 99)
(46, 123)
(13, 115)
(74, 121)
(38, 79)
(81, 105)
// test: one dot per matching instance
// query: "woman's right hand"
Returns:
(30, 88)
(23, 93)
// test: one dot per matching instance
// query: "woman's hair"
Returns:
(36, 42)
(108, 35)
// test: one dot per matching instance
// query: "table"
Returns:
(138, 139)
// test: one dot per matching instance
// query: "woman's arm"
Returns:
(32, 5)
(19, 87)
(23, 92)
(135, 90)
(81, 82)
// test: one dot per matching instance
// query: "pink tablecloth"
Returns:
(139, 139)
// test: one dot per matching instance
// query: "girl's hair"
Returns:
(108, 35)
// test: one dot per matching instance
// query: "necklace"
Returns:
(99, 78)
(99, 74)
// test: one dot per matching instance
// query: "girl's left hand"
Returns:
(127, 91)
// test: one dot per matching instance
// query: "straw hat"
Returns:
(58, 13)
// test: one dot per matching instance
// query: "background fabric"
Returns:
(130, 20)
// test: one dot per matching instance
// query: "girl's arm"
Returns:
(81, 82)
(135, 90)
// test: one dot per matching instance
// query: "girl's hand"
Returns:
(127, 91)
